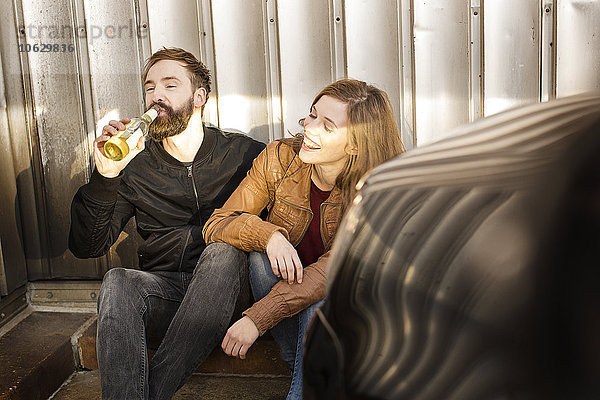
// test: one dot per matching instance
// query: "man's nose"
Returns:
(157, 96)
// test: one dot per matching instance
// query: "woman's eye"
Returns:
(170, 86)
(327, 128)
(149, 89)
(311, 115)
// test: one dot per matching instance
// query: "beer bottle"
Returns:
(117, 147)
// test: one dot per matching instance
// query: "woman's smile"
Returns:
(309, 144)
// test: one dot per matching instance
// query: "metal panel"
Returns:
(34, 218)
(65, 294)
(272, 65)
(268, 60)
(115, 79)
(338, 38)
(548, 49)
(143, 30)
(476, 61)
(207, 56)
(512, 54)
(3, 283)
(368, 38)
(164, 32)
(59, 115)
(441, 31)
(12, 273)
(407, 122)
(578, 46)
(305, 51)
(10, 307)
(15, 168)
(240, 66)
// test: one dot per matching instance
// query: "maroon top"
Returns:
(311, 246)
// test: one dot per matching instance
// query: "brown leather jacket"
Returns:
(279, 181)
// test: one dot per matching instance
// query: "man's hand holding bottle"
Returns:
(105, 166)
(121, 141)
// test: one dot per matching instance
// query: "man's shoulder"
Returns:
(233, 137)
(147, 157)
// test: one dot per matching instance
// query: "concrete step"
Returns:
(262, 359)
(36, 355)
(45, 348)
(85, 385)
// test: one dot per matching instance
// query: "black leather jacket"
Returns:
(170, 201)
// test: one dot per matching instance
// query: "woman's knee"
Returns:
(259, 265)
(262, 278)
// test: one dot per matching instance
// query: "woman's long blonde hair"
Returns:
(372, 131)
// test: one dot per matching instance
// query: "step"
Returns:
(44, 348)
(86, 385)
(36, 355)
(262, 359)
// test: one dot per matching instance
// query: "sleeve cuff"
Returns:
(101, 188)
(264, 313)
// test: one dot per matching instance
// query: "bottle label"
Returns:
(134, 138)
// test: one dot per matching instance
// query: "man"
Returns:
(183, 293)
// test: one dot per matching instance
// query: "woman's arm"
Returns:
(283, 301)
(237, 222)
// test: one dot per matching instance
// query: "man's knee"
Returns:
(113, 282)
(120, 285)
(222, 258)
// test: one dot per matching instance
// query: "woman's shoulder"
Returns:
(284, 150)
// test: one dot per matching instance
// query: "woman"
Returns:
(305, 183)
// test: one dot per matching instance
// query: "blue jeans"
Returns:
(184, 315)
(289, 333)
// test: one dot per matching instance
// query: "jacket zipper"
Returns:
(309, 221)
(194, 186)
(187, 239)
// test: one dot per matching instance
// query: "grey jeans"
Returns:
(183, 315)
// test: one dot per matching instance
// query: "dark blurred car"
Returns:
(470, 268)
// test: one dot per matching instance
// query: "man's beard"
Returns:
(173, 123)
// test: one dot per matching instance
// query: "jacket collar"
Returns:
(206, 148)
(301, 178)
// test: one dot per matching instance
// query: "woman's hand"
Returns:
(284, 258)
(239, 337)
(105, 166)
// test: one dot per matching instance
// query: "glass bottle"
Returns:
(117, 147)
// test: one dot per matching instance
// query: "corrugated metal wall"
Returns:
(442, 62)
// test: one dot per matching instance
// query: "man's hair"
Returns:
(198, 73)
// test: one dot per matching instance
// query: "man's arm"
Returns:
(98, 212)
(98, 215)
